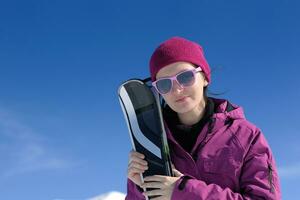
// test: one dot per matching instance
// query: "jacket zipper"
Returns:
(270, 170)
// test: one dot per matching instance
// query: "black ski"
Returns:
(142, 111)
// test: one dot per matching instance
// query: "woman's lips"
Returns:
(181, 99)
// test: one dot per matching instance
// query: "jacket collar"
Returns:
(224, 113)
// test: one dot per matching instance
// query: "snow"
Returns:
(110, 196)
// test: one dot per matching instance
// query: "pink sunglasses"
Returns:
(184, 79)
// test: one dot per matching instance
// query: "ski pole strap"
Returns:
(183, 182)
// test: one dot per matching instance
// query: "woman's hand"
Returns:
(163, 185)
(136, 166)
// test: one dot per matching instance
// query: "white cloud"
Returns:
(290, 171)
(34, 157)
(23, 150)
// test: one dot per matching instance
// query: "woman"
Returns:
(216, 152)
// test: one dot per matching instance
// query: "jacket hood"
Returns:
(224, 109)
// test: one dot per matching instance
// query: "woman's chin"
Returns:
(182, 108)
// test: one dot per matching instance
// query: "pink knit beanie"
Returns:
(178, 49)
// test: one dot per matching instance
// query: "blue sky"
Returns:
(62, 131)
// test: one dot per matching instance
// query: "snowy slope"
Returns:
(110, 196)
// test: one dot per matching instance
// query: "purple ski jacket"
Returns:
(231, 159)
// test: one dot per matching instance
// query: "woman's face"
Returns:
(183, 100)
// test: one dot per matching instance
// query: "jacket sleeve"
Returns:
(133, 191)
(258, 179)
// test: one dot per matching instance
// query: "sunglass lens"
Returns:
(186, 78)
(164, 86)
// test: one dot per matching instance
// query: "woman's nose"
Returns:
(177, 88)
